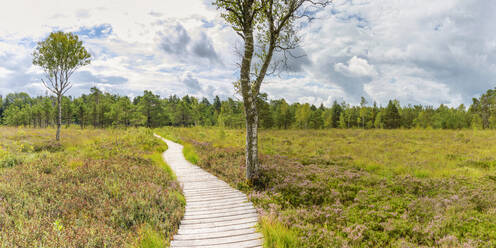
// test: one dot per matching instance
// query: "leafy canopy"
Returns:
(60, 55)
(273, 24)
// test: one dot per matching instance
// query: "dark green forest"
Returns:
(99, 110)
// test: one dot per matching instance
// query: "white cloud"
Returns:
(423, 44)
(4, 72)
(356, 67)
(428, 52)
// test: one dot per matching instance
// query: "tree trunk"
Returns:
(251, 143)
(249, 102)
(59, 119)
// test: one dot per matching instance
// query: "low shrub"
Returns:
(49, 146)
(105, 191)
(9, 160)
(401, 196)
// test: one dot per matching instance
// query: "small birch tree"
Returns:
(273, 23)
(60, 55)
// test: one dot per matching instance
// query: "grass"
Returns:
(188, 149)
(277, 235)
(158, 160)
(149, 238)
(97, 188)
(432, 153)
(363, 188)
(190, 153)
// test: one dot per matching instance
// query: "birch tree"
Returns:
(270, 25)
(60, 55)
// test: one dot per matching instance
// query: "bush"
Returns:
(9, 160)
(49, 146)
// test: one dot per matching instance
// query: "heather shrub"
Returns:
(101, 189)
(356, 188)
(50, 146)
(9, 160)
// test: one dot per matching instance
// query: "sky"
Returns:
(418, 52)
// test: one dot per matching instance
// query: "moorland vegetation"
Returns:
(317, 187)
(95, 188)
(361, 188)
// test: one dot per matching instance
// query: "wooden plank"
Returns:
(213, 197)
(203, 179)
(243, 244)
(194, 231)
(233, 240)
(215, 190)
(218, 219)
(205, 188)
(217, 202)
(216, 207)
(217, 211)
(199, 186)
(212, 235)
(216, 198)
(253, 220)
(215, 193)
(217, 215)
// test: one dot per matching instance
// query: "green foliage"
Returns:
(303, 114)
(9, 160)
(476, 123)
(342, 121)
(391, 118)
(99, 109)
(61, 53)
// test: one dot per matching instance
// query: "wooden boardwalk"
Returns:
(217, 215)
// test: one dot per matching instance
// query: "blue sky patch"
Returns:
(95, 32)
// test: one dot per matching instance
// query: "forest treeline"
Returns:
(100, 109)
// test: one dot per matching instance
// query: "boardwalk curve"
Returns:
(217, 215)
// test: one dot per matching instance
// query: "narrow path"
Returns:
(216, 215)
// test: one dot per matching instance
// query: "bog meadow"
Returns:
(248, 123)
(428, 181)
